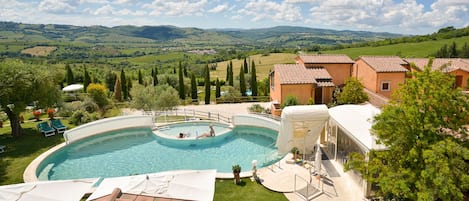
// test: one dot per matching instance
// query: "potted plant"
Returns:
(236, 170)
(296, 152)
(51, 112)
(37, 114)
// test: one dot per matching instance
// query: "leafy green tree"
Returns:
(70, 78)
(242, 82)
(118, 90)
(86, 80)
(264, 86)
(253, 82)
(182, 93)
(426, 138)
(193, 87)
(21, 84)
(125, 92)
(144, 97)
(217, 89)
(98, 93)
(166, 97)
(110, 80)
(289, 101)
(140, 77)
(207, 85)
(352, 93)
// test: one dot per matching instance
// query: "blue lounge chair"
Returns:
(58, 126)
(45, 129)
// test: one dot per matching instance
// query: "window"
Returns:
(272, 78)
(385, 86)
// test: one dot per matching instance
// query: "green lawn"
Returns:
(225, 189)
(21, 151)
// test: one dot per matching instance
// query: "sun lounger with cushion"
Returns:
(58, 126)
(45, 129)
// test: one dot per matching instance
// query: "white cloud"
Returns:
(268, 10)
(123, 1)
(94, 1)
(104, 10)
(126, 11)
(219, 8)
(57, 6)
(176, 8)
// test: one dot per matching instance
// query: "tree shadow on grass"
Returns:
(32, 142)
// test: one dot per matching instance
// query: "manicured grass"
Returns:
(21, 151)
(422, 49)
(225, 189)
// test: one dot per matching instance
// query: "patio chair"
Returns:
(58, 126)
(45, 129)
(2, 148)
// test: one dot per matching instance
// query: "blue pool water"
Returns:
(139, 151)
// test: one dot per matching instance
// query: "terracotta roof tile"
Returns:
(326, 58)
(299, 74)
(452, 64)
(385, 63)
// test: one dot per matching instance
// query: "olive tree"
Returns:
(22, 84)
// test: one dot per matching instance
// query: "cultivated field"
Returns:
(39, 50)
(422, 49)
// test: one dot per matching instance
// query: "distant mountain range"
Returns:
(281, 36)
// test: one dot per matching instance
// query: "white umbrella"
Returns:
(318, 160)
(73, 87)
(65, 190)
(184, 184)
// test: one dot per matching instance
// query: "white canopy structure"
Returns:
(73, 87)
(301, 127)
(63, 190)
(184, 184)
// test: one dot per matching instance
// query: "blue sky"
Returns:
(396, 16)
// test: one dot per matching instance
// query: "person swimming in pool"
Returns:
(211, 133)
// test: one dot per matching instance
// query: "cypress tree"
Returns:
(110, 80)
(242, 82)
(140, 77)
(123, 81)
(193, 87)
(129, 87)
(253, 79)
(207, 85)
(185, 69)
(227, 72)
(86, 80)
(245, 66)
(217, 89)
(464, 51)
(453, 52)
(182, 93)
(174, 70)
(70, 78)
(155, 77)
(230, 81)
(118, 90)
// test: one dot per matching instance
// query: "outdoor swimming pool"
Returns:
(139, 151)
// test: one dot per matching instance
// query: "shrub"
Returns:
(256, 108)
(289, 101)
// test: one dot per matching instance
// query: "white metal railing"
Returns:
(305, 189)
(189, 115)
(108, 124)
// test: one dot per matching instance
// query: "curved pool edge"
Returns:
(29, 174)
